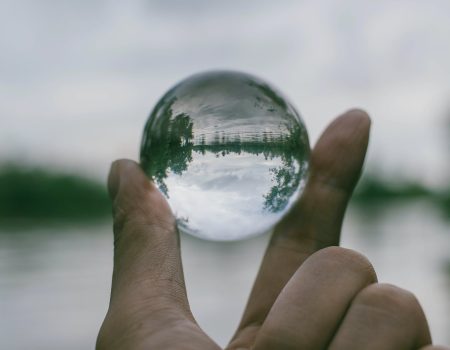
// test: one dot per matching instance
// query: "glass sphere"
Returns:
(229, 153)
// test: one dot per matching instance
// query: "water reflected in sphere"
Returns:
(229, 153)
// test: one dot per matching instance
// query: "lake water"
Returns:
(54, 283)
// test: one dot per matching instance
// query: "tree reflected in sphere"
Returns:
(229, 153)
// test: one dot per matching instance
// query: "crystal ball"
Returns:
(229, 153)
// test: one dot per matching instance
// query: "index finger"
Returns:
(315, 220)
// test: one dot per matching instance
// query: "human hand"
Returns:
(309, 294)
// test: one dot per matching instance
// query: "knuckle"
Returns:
(390, 298)
(134, 227)
(130, 213)
(125, 222)
(119, 219)
(345, 260)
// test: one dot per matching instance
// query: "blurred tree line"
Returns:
(30, 196)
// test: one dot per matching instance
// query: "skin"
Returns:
(309, 293)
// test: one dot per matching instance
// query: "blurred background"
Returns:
(79, 78)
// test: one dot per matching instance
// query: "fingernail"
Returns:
(113, 180)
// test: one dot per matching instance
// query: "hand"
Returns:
(309, 294)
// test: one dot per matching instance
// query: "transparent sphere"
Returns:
(228, 151)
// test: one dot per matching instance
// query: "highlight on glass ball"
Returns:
(229, 153)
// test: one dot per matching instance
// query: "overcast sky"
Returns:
(79, 78)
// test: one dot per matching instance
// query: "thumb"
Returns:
(147, 271)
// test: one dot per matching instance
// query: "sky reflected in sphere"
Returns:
(228, 151)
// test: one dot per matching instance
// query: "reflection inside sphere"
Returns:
(229, 153)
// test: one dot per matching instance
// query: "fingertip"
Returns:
(113, 179)
(348, 123)
(339, 154)
(134, 194)
(358, 119)
(358, 113)
(125, 173)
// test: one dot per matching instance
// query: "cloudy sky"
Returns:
(79, 78)
(234, 190)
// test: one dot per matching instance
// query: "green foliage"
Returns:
(36, 195)
(443, 201)
(28, 195)
(375, 191)
(172, 145)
